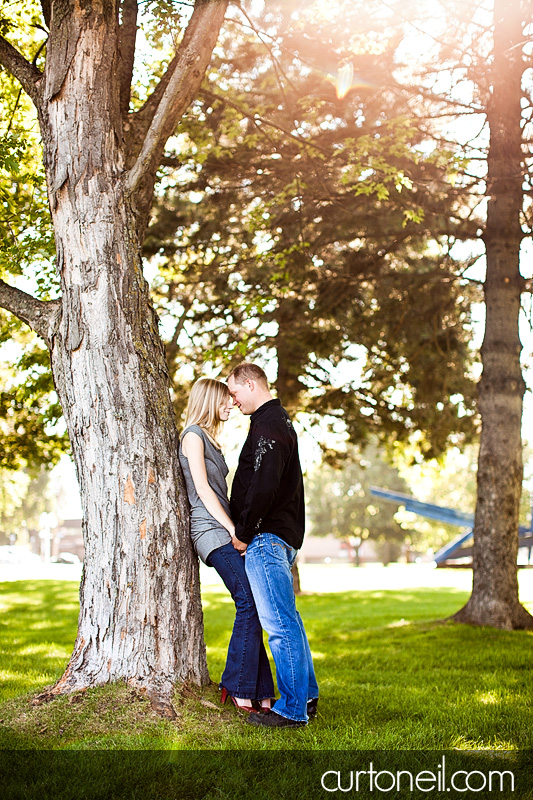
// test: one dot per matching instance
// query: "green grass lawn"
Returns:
(393, 678)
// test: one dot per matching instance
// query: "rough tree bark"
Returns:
(494, 600)
(140, 616)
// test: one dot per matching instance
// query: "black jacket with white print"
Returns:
(267, 494)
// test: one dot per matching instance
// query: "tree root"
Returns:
(45, 697)
(495, 615)
(161, 705)
(160, 700)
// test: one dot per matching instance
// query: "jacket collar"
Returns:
(260, 411)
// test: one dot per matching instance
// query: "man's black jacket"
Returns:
(267, 494)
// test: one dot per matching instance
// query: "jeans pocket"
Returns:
(288, 552)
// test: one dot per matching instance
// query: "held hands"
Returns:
(238, 545)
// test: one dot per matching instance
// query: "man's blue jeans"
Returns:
(247, 673)
(268, 565)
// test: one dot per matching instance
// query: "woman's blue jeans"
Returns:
(268, 565)
(247, 673)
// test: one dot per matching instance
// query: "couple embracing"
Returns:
(252, 541)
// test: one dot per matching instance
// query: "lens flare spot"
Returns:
(344, 80)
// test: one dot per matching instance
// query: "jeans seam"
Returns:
(246, 636)
(278, 615)
(241, 589)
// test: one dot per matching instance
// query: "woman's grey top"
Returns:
(206, 532)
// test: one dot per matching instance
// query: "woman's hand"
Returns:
(238, 545)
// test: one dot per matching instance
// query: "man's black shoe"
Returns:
(312, 707)
(273, 720)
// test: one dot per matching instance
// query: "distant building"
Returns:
(325, 549)
(68, 538)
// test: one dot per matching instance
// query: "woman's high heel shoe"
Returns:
(224, 696)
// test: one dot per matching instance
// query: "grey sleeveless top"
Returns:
(206, 532)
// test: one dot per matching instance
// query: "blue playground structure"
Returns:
(459, 551)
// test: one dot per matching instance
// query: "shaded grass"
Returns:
(391, 678)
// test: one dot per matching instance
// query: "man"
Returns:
(267, 506)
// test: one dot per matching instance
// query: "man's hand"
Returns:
(238, 545)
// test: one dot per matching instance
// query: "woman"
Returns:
(247, 676)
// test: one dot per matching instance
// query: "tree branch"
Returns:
(39, 315)
(47, 12)
(27, 74)
(171, 348)
(192, 60)
(141, 119)
(127, 37)
(171, 161)
(256, 119)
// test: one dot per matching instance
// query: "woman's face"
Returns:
(225, 409)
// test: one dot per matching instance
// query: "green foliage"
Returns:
(160, 26)
(26, 239)
(30, 415)
(29, 409)
(23, 498)
(339, 502)
(11, 152)
(315, 232)
(300, 227)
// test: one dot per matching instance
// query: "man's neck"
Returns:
(265, 397)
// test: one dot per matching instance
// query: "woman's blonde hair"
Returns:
(203, 408)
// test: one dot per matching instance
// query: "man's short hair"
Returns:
(248, 372)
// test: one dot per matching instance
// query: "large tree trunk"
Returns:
(494, 599)
(140, 617)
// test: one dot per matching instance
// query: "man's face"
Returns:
(243, 394)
